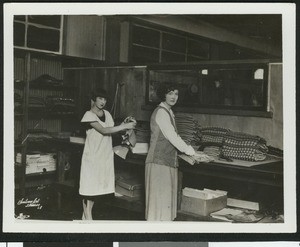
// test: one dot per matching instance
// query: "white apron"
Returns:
(97, 175)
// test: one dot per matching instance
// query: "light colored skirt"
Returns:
(161, 192)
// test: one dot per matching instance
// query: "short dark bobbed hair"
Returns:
(164, 89)
(99, 92)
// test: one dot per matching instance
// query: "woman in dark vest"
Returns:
(161, 164)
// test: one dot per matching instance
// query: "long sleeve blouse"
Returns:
(164, 122)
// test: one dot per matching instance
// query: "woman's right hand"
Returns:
(130, 125)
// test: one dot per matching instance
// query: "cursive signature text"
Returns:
(30, 203)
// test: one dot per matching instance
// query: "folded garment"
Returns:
(36, 101)
(129, 138)
(212, 151)
(187, 128)
(244, 146)
(213, 136)
(60, 104)
(121, 151)
(199, 157)
(275, 151)
(47, 80)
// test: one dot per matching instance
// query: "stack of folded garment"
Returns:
(38, 162)
(237, 145)
(199, 157)
(60, 104)
(277, 152)
(37, 135)
(212, 151)
(187, 128)
(36, 102)
(46, 80)
(213, 136)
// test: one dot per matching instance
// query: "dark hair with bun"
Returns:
(99, 92)
(164, 89)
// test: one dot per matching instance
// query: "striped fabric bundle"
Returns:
(213, 136)
(212, 151)
(237, 145)
(199, 157)
(187, 128)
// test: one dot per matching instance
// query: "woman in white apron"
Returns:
(97, 175)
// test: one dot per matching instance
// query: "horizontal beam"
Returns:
(210, 31)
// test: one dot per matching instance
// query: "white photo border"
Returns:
(288, 11)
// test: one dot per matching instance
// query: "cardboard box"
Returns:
(40, 168)
(203, 206)
(129, 187)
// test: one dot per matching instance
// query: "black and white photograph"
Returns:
(149, 117)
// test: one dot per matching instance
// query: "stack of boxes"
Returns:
(38, 162)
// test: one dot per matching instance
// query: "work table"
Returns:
(262, 180)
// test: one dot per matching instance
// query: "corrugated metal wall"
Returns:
(39, 66)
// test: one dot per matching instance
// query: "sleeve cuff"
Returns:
(190, 151)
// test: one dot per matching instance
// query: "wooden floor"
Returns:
(107, 207)
(70, 207)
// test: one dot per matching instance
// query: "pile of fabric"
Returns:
(199, 157)
(237, 145)
(188, 129)
(60, 104)
(36, 103)
(212, 151)
(221, 142)
(36, 135)
(46, 80)
(276, 152)
(212, 136)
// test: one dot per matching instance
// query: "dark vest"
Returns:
(161, 151)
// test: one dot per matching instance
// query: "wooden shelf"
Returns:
(18, 115)
(26, 87)
(38, 174)
(52, 87)
(31, 183)
(44, 114)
